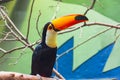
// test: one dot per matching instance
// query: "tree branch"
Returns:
(19, 76)
(58, 74)
(90, 24)
(104, 24)
(10, 25)
(5, 37)
(8, 20)
(92, 37)
(10, 51)
(31, 10)
(57, 9)
(38, 25)
(12, 39)
(91, 7)
(2, 50)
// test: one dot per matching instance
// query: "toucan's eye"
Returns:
(50, 27)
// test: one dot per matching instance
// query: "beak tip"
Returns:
(81, 17)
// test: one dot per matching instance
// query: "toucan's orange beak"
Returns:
(68, 20)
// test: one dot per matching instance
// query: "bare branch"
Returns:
(10, 51)
(103, 24)
(90, 24)
(31, 10)
(5, 37)
(2, 50)
(5, 17)
(18, 38)
(7, 20)
(117, 38)
(62, 54)
(37, 24)
(57, 9)
(91, 7)
(19, 76)
(58, 74)
(36, 42)
(11, 39)
(19, 57)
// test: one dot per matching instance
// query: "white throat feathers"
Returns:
(51, 36)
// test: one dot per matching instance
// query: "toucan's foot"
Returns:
(39, 77)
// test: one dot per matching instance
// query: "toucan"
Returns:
(44, 55)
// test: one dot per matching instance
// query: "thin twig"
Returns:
(117, 38)
(2, 50)
(10, 51)
(19, 57)
(91, 7)
(58, 74)
(8, 20)
(90, 24)
(14, 34)
(62, 54)
(103, 24)
(116, 29)
(28, 28)
(22, 39)
(12, 26)
(5, 37)
(57, 10)
(12, 39)
(37, 22)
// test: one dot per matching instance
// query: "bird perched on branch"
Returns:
(44, 56)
